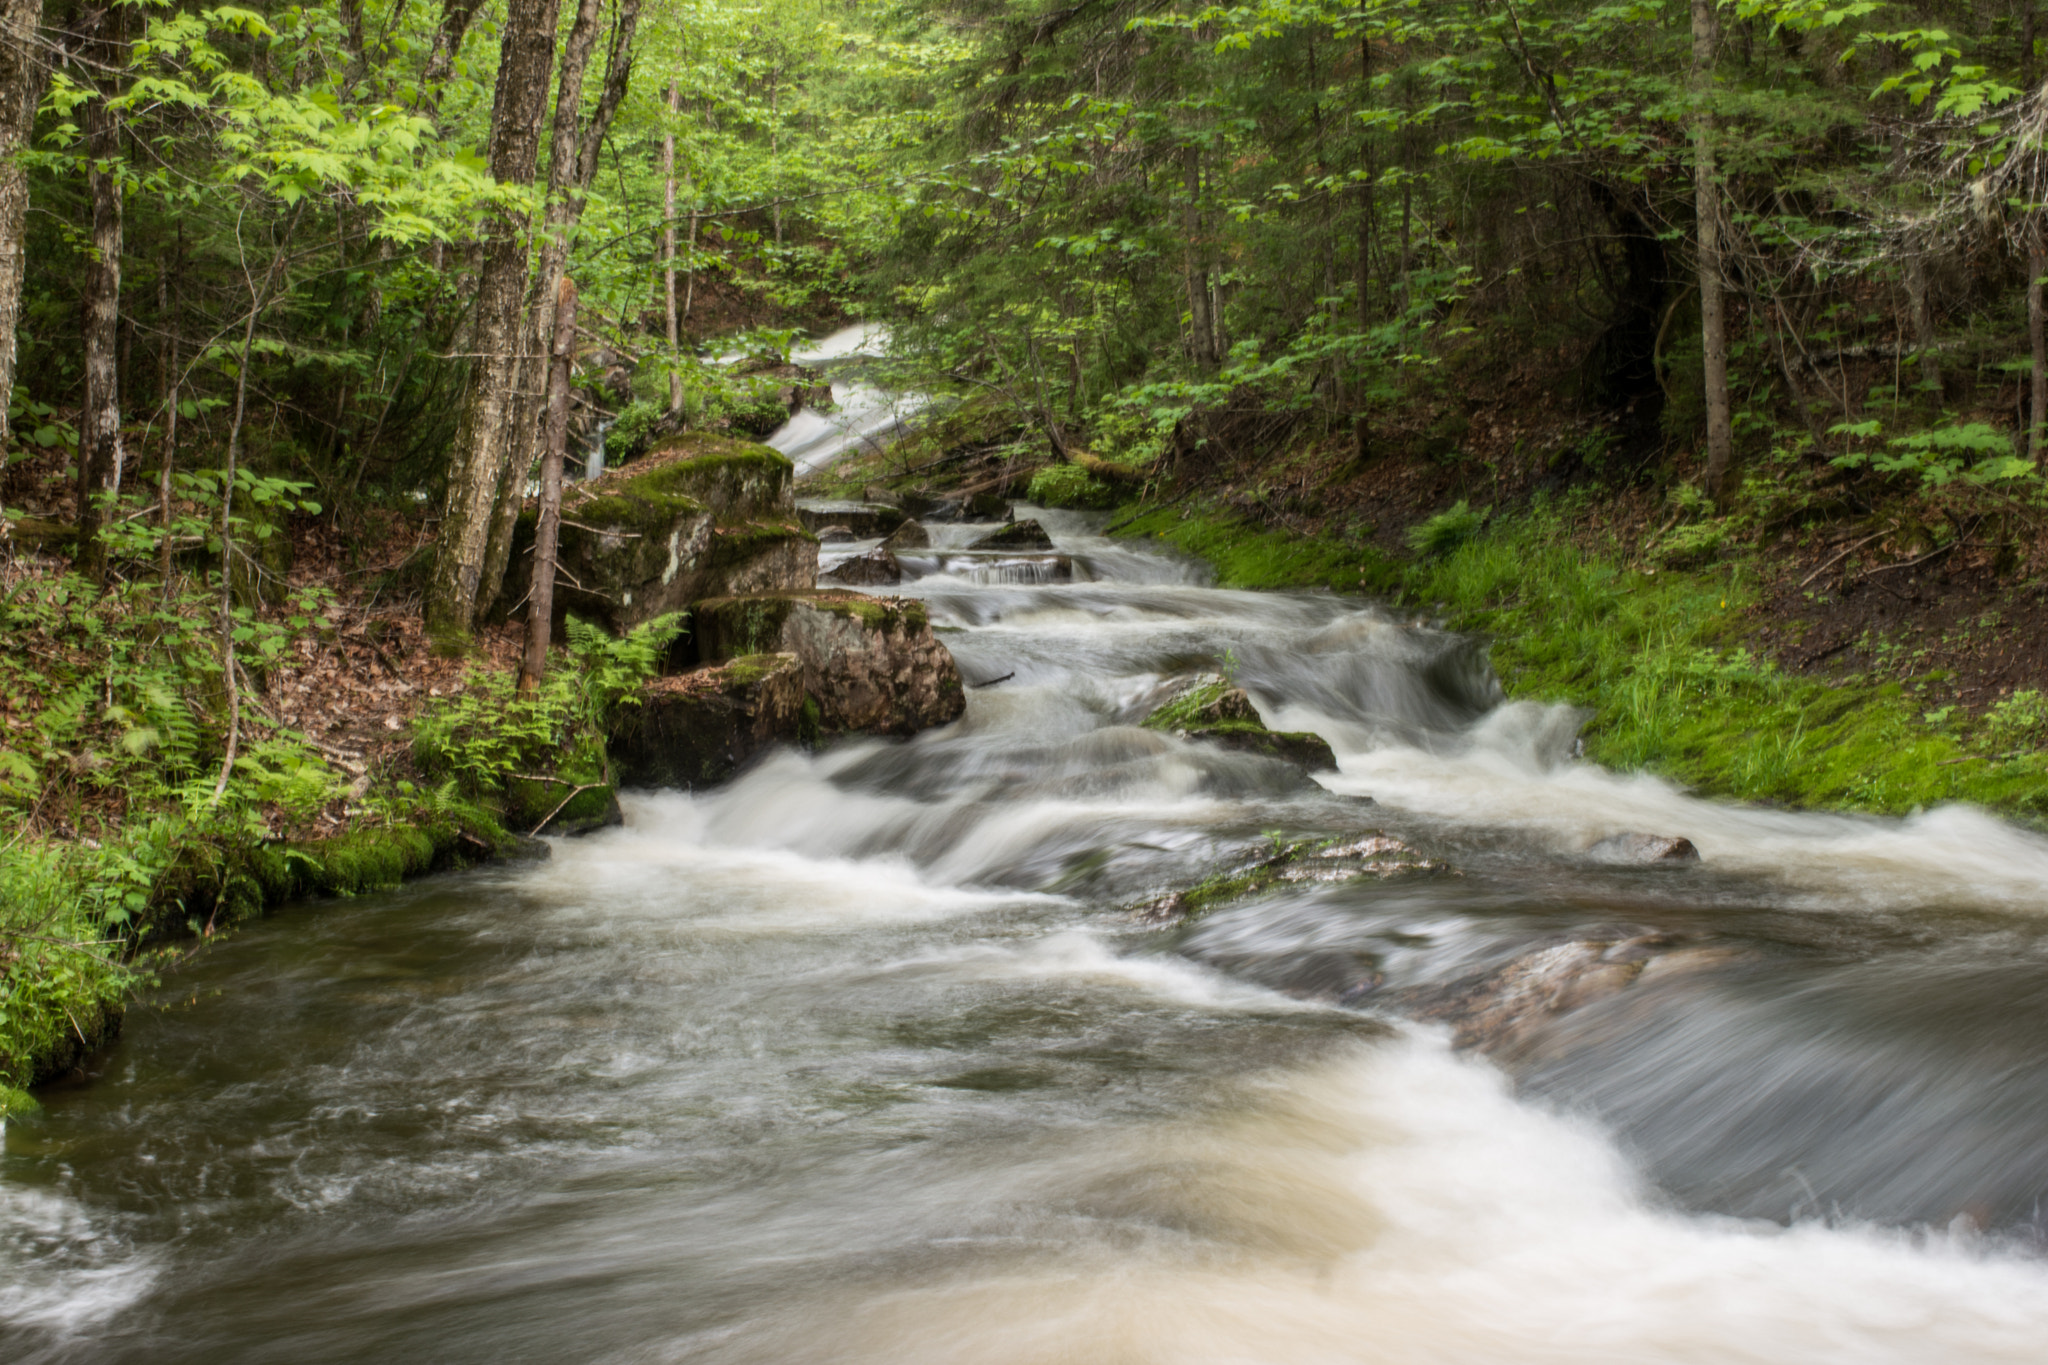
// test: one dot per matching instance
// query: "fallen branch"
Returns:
(573, 794)
(1842, 556)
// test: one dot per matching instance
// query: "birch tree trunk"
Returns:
(99, 425)
(22, 73)
(540, 606)
(478, 460)
(1706, 35)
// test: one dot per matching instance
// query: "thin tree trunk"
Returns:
(668, 248)
(481, 453)
(1361, 427)
(1924, 338)
(99, 428)
(573, 152)
(1328, 234)
(540, 606)
(171, 398)
(1707, 206)
(2037, 340)
(1201, 329)
(22, 74)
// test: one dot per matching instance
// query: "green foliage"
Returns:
(1181, 712)
(1069, 485)
(492, 731)
(1939, 455)
(1446, 531)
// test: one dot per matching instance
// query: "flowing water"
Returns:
(863, 1058)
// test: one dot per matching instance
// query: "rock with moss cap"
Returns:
(1018, 535)
(696, 729)
(1211, 709)
(871, 664)
(701, 515)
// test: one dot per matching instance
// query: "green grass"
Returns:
(1658, 660)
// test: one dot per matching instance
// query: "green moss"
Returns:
(1246, 555)
(749, 669)
(1658, 659)
(1180, 713)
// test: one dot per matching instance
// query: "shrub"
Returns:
(1069, 485)
(1446, 531)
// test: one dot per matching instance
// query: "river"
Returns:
(863, 1058)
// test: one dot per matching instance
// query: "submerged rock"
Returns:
(833, 535)
(877, 566)
(698, 728)
(871, 664)
(1645, 849)
(1504, 1010)
(1018, 535)
(987, 507)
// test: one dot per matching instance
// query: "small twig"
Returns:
(588, 786)
(1909, 563)
(993, 681)
(1842, 556)
(601, 530)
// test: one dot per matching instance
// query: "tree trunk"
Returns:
(572, 165)
(99, 426)
(1202, 331)
(540, 605)
(1924, 339)
(1361, 428)
(481, 453)
(22, 73)
(1707, 206)
(668, 249)
(2037, 339)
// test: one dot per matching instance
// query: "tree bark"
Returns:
(1924, 338)
(100, 453)
(2037, 340)
(572, 165)
(540, 606)
(1202, 331)
(1361, 427)
(668, 248)
(22, 74)
(481, 453)
(1707, 206)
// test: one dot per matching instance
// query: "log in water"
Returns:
(865, 1058)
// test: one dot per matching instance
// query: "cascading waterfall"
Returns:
(864, 1057)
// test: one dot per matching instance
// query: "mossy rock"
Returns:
(866, 520)
(732, 478)
(1212, 709)
(576, 798)
(872, 663)
(697, 729)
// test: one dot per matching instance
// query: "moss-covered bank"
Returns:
(1661, 659)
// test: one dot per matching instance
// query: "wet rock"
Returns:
(1645, 849)
(911, 535)
(833, 535)
(871, 664)
(867, 521)
(1213, 710)
(877, 566)
(987, 507)
(700, 515)
(884, 497)
(1168, 909)
(1018, 535)
(1506, 1009)
(696, 729)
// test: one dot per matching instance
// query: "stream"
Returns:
(864, 1057)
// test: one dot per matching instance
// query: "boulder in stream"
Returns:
(911, 535)
(833, 535)
(697, 729)
(877, 566)
(1212, 709)
(871, 664)
(1018, 535)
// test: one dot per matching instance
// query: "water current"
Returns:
(864, 1058)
